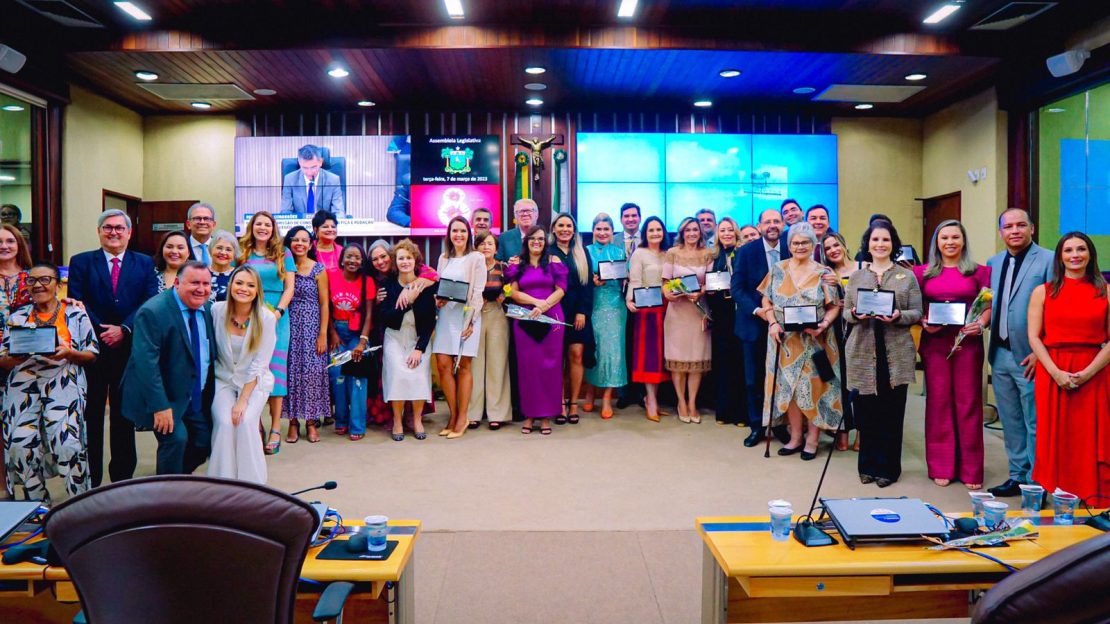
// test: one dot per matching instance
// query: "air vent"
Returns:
(62, 12)
(868, 93)
(1013, 14)
(200, 92)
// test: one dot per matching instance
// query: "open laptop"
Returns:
(13, 514)
(861, 520)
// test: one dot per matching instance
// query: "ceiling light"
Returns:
(535, 86)
(12, 108)
(703, 103)
(729, 73)
(535, 70)
(864, 106)
(627, 8)
(265, 92)
(134, 11)
(201, 105)
(534, 102)
(366, 103)
(146, 75)
(338, 72)
(941, 13)
(916, 76)
(804, 90)
(454, 9)
(7, 178)
(1051, 110)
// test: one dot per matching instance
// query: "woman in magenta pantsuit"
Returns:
(953, 386)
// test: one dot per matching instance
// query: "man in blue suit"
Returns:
(170, 379)
(310, 188)
(753, 262)
(1014, 274)
(113, 283)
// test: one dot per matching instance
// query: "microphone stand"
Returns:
(330, 485)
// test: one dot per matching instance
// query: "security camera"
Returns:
(11, 60)
(1067, 63)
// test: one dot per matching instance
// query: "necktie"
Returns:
(204, 253)
(310, 204)
(1004, 309)
(773, 256)
(115, 274)
(194, 342)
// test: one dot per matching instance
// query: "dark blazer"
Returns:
(747, 274)
(423, 309)
(91, 283)
(510, 243)
(161, 371)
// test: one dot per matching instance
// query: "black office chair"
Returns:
(1070, 586)
(184, 549)
(337, 165)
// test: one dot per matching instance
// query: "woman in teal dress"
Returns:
(608, 317)
(262, 248)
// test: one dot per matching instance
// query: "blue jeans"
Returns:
(1017, 410)
(348, 392)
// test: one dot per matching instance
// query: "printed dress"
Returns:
(308, 375)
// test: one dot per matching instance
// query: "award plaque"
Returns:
(609, 270)
(797, 318)
(691, 283)
(947, 313)
(452, 290)
(648, 297)
(874, 302)
(716, 281)
(33, 340)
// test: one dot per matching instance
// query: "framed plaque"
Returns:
(945, 313)
(648, 297)
(33, 340)
(609, 270)
(874, 302)
(716, 281)
(452, 290)
(691, 283)
(797, 318)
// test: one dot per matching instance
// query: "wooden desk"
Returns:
(748, 577)
(384, 589)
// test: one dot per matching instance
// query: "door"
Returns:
(152, 219)
(937, 210)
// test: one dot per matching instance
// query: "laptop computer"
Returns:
(883, 519)
(13, 514)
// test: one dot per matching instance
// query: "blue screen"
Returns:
(721, 158)
(726, 200)
(620, 158)
(1085, 186)
(607, 197)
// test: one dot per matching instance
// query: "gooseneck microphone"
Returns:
(806, 530)
(330, 485)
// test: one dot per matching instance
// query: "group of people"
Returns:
(536, 326)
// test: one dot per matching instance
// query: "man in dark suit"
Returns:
(311, 188)
(753, 262)
(113, 283)
(170, 379)
(511, 242)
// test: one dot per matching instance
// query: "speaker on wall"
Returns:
(11, 60)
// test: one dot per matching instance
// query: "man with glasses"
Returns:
(113, 283)
(201, 223)
(511, 243)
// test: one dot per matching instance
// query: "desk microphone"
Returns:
(806, 530)
(330, 485)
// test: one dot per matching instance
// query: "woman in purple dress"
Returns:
(308, 340)
(538, 281)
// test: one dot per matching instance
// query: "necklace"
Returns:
(11, 291)
(244, 325)
(40, 322)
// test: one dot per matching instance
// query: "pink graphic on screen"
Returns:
(434, 205)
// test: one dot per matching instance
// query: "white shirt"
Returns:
(313, 181)
(108, 258)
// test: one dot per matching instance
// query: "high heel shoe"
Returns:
(445, 431)
(420, 435)
(606, 413)
(454, 435)
(397, 437)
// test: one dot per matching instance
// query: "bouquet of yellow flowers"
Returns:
(980, 305)
(676, 285)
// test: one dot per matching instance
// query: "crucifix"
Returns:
(536, 145)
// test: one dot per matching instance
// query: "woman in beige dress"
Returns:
(687, 345)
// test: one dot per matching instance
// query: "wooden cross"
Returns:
(536, 146)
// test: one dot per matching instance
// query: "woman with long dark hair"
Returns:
(645, 270)
(308, 339)
(578, 304)
(173, 251)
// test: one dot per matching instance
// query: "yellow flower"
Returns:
(674, 284)
(507, 289)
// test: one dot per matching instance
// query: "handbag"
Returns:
(823, 366)
(365, 368)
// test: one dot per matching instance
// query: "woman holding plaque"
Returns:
(578, 305)
(727, 360)
(608, 317)
(44, 399)
(645, 275)
(1069, 332)
(880, 353)
(459, 325)
(491, 366)
(173, 251)
(808, 370)
(687, 349)
(953, 374)
(538, 281)
(406, 373)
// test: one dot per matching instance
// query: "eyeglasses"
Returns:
(202, 220)
(45, 281)
(108, 229)
(801, 243)
(537, 239)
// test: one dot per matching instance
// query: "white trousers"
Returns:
(237, 449)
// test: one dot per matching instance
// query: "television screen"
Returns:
(597, 197)
(726, 200)
(719, 158)
(626, 157)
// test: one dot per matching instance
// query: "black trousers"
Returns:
(755, 371)
(728, 370)
(185, 448)
(104, 386)
(879, 419)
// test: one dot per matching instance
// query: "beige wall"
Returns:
(880, 171)
(191, 157)
(969, 134)
(102, 149)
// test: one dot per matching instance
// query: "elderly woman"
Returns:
(222, 248)
(44, 399)
(806, 362)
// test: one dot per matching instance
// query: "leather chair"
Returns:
(1067, 587)
(337, 165)
(179, 548)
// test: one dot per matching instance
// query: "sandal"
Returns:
(545, 430)
(494, 426)
(294, 432)
(572, 413)
(606, 413)
(474, 424)
(942, 482)
(526, 429)
(420, 435)
(341, 431)
(272, 447)
(355, 437)
(310, 433)
(398, 437)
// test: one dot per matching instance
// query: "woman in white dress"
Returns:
(458, 329)
(246, 332)
(406, 374)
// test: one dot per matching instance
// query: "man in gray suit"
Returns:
(310, 188)
(169, 381)
(1014, 274)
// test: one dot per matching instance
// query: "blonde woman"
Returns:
(687, 349)
(245, 336)
(566, 245)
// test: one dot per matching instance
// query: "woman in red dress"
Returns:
(1069, 326)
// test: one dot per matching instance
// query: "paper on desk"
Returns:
(1023, 530)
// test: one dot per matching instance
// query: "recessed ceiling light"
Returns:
(1051, 110)
(627, 8)
(134, 11)
(729, 73)
(535, 86)
(703, 103)
(12, 108)
(534, 102)
(804, 90)
(201, 105)
(7, 178)
(864, 106)
(366, 103)
(916, 76)
(338, 72)
(535, 70)
(940, 14)
(454, 9)
(265, 92)
(146, 75)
